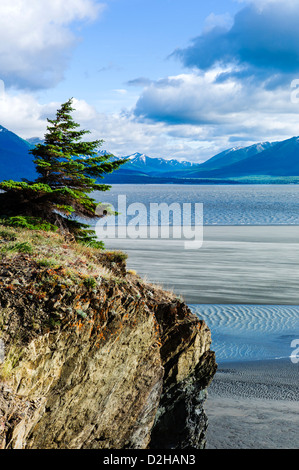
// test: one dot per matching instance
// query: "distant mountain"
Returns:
(154, 166)
(15, 160)
(261, 162)
(233, 155)
(278, 159)
(35, 140)
(281, 159)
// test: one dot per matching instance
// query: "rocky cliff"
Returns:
(95, 357)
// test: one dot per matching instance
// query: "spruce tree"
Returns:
(68, 171)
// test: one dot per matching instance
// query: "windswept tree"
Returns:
(69, 170)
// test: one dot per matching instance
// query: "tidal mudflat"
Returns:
(254, 405)
(236, 264)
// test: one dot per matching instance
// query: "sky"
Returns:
(183, 79)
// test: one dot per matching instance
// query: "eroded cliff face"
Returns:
(112, 363)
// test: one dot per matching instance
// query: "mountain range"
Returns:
(261, 163)
(15, 160)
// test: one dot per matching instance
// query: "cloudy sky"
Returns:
(181, 79)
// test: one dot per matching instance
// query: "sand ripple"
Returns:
(245, 332)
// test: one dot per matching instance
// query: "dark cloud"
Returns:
(261, 42)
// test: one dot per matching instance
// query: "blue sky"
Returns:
(170, 78)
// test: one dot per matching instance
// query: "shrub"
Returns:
(116, 256)
(90, 282)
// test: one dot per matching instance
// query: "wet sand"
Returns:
(254, 405)
(235, 265)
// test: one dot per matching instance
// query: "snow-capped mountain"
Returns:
(267, 159)
(235, 154)
(154, 166)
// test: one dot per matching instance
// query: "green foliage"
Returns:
(116, 256)
(68, 171)
(23, 186)
(70, 165)
(66, 209)
(90, 282)
(47, 263)
(54, 322)
(29, 223)
(19, 247)
(90, 240)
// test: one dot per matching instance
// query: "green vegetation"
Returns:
(48, 263)
(50, 250)
(31, 223)
(116, 256)
(21, 247)
(90, 282)
(68, 171)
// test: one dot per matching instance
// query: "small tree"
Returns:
(68, 171)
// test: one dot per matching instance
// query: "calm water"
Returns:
(222, 205)
(244, 280)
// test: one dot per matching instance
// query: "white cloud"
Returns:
(224, 21)
(189, 98)
(23, 114)
(220, 112)
(217, 117)
(35, 37)
(228, 113)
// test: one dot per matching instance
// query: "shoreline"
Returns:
(254, 405)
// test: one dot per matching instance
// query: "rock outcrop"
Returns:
(104, 361)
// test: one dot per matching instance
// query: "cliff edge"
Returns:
(91, 355)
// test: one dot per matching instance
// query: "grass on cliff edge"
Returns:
(49, 249)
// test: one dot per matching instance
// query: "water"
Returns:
(244, 279)
(222, 205)
(251, 332)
